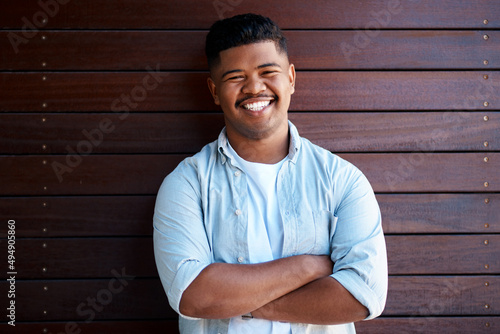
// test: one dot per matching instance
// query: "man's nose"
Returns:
(253, 85)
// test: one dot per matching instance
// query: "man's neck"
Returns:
(269, 150)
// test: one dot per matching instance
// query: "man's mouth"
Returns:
(256, 106)
(257, 103)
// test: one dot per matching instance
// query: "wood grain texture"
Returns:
(114, 94)
(443, 254)
(79, 216)
(145, 299)
(156, 90)
(121, 297)
(193, 14)
(429, 325)
(80, 174)
(308, 50)
(188, 133)
(442, 296)
(410, 325)
(114, 216)
(46, 258)
(96, 327)
(440, 213)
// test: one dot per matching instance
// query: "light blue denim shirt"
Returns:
(327, 206)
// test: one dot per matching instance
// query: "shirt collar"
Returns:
(293, 149)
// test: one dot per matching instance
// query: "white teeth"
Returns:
(257, 105)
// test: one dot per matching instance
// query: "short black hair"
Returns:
(242, 30)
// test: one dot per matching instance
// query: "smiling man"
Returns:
(263, 231)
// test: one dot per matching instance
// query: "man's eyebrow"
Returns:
(229, 72)
(269, 65)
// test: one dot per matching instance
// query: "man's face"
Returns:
(253, 85)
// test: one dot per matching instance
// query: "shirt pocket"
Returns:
(324, 227)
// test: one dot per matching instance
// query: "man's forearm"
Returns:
(324, 302)
(225, 290)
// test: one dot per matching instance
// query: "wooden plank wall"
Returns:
(99, 100)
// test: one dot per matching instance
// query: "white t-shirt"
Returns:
(265, 232)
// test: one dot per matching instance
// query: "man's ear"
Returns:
(213, 90)
(291, 75)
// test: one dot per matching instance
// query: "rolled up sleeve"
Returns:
(181, 246)
(358, 246)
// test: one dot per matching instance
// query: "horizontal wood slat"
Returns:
(132, 174)
(132, 215)
(154, 90)
(99, 101)
(440, 213)
(96, 327)
(308, 50)
(429, 172)
(71, 216)
(441, 254)
(83, 257)
(142, 174)
(121, 297)
(447, 295)
(382, 325)
(192, 14)
(181, 133)
(141, 299)
(429, 325)
(95, 257)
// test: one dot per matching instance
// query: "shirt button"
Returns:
(238, 212)
(237, 173)
(241, 259)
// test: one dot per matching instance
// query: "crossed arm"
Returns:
(292, 289)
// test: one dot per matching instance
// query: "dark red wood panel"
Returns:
(122, 92)
(182, 132)
(99, 101)
(370, 15)
(332, 91)
(441, 296)
(135, 133)
(96, 327)
(121, 297)
(440, 213)
(46, 258)
(80, 174)
(429, 325)
(429, 172)
(141, 299)
(74, 258)
(418, 49)
(69, 50)
(79, 216)
(308, 50)
(86, 174)
(132, 215)
(401, 131)
(442, 254)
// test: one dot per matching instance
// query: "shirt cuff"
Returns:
(369, 298)
(186, 274)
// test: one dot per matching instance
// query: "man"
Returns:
(263, 231)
